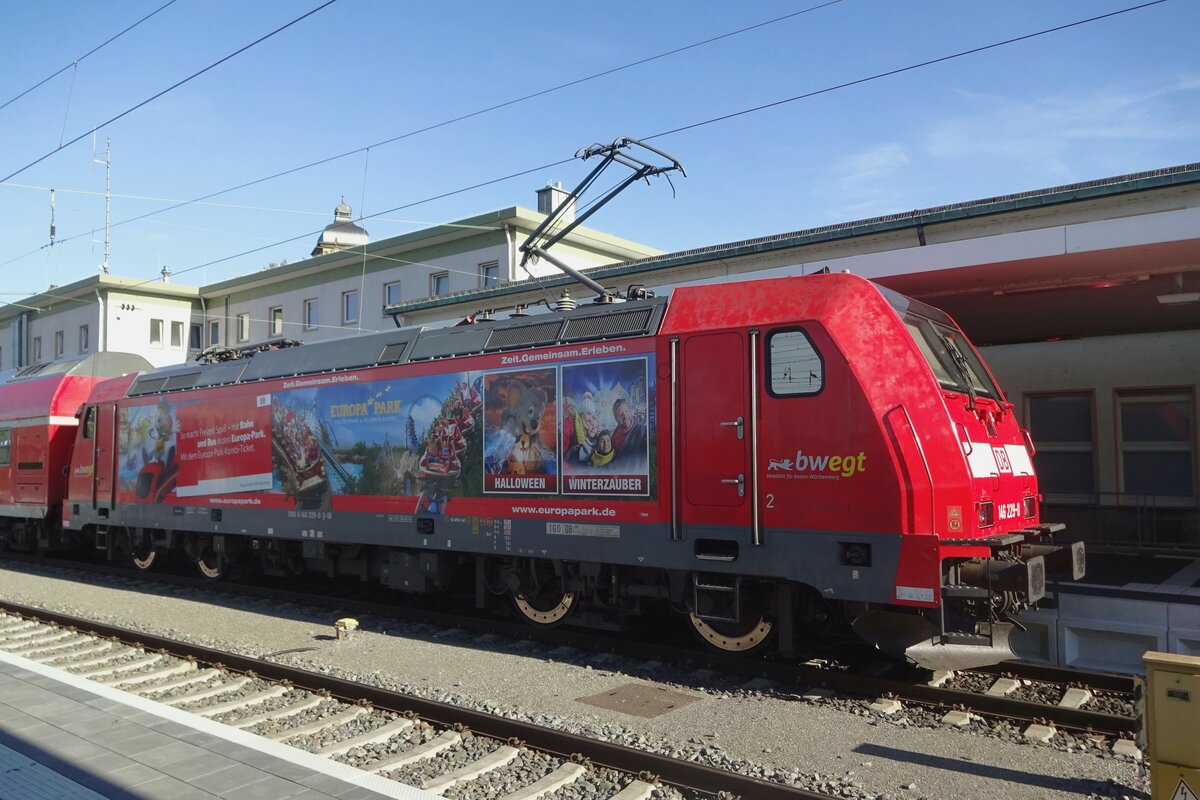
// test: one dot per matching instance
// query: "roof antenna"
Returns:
(107, 162)
(642, 170)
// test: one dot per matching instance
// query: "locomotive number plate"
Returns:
(583, 529)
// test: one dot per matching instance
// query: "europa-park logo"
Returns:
(822, 467)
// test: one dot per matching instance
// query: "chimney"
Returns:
(549, 198)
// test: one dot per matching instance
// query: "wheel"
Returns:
(750, 633)
(545, 611)
(546, 604)
(211, 564)
(143, 554)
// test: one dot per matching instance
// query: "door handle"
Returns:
(739, 423)
(740, 480)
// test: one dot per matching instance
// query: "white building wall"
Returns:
(128, 326)
(462, 272)
(46, 326)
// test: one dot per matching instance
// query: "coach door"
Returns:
(105, 449)
(714, 430)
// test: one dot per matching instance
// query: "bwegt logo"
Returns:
(846, 466)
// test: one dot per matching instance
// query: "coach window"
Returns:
(794, 366)
(1157, 433)
(1063, 433)
(4, 446)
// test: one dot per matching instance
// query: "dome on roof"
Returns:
(343, 234)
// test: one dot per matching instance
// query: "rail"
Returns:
(681, 774)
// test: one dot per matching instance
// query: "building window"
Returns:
(794, 365)
(177, 335)
(311, 316)
(59, 344)
(275, 315)
(156, 333)
(243, 327)
(1062, 432)
(489, 273)
(214, 333)
(350, 307)
(391, 293)
(439, 284)
(37, 349)
(84, 342)
(1157, 433)
(195, 336)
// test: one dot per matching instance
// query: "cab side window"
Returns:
(89, 423)
(794, 367)
(5, 446)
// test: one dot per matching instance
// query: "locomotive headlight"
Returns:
(986, 514)
(1030, 506)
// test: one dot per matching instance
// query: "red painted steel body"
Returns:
(896, 454)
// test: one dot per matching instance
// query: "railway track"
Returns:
(443, 748)
(1061, 700)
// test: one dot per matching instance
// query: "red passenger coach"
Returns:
(771, 457)
(38, 417)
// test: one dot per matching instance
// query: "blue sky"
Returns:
(1111, 97)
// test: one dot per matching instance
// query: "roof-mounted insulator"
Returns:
(565, 302)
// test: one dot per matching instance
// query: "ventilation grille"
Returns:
(602, 326)
(33, 369)
(393, 353)
(184, 381)
(525, 335)
(148, 386)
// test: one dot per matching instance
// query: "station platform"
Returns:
(63, 737)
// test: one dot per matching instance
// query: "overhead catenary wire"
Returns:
(901, 70)
(169, 89)
(661, 134)
(466, 116)
(75, 63)
(763, 107)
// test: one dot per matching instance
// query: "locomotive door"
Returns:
(715, 421)
(105, 449)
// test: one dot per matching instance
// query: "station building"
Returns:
(341, 289)
(1085, 300)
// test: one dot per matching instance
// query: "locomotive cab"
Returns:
(995, 554)
(870, 462)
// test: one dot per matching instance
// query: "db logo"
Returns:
(1002, 459)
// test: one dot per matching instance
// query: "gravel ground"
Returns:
(833, 745)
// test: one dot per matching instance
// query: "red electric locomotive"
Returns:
(766, 456)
